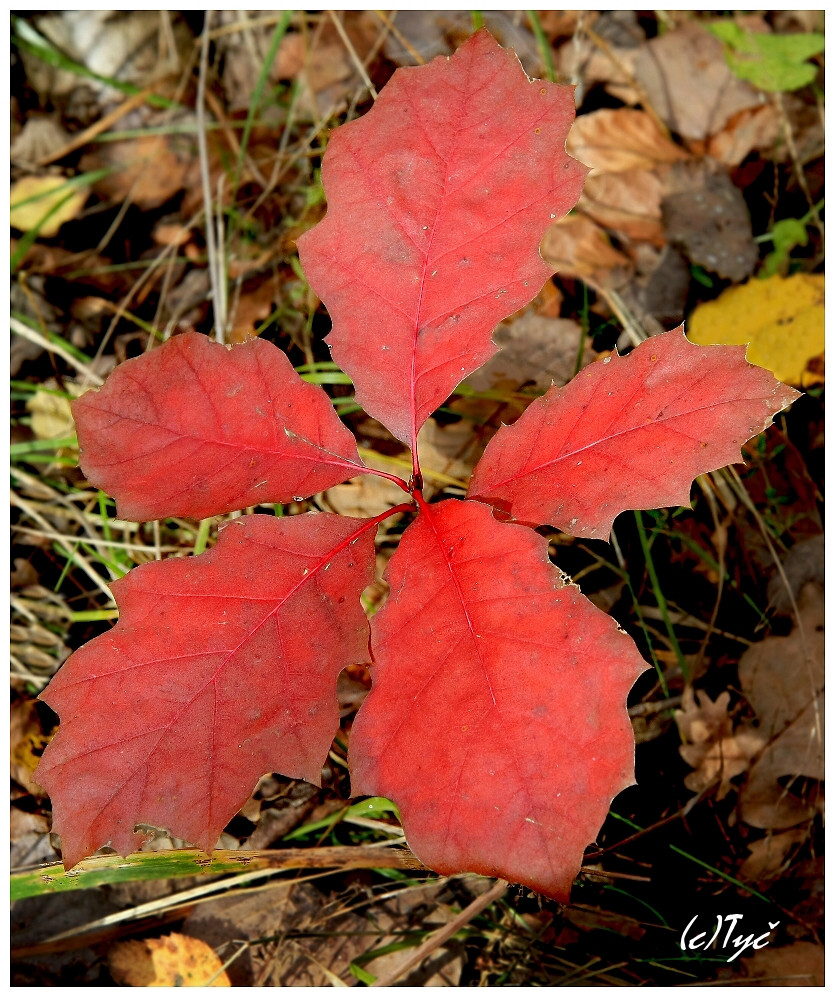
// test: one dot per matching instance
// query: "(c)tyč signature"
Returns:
(740, 942)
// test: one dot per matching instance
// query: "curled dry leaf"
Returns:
(427, 202)
(783, 680)
(782, 318)
(171, 961)
(711, 747)
(629, 202)
(195, 429)
(577, 247)
(749, 129)
(768, 856)
(253, 307)
(366, 495)
(496, 722)
(584, 60)
(627, 433)
(616, 140)
(245, 643)
(689, 84)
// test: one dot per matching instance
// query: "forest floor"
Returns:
(723, 597)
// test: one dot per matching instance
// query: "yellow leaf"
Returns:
(51, 415)
(172, 961)
(781, 318)
(41, 195)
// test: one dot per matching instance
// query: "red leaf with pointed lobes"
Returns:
(195, 429)
(628, 433)
(437, 201)
(497, 717)
(222, 667)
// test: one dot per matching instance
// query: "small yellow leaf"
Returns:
(41, 195)
(51, 415)
(172, 961)
(781, 318)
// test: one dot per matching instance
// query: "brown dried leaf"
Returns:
(750, 129)
(252, 309)
(152, 169)
(22, 824)
(28, 741)
(804, 563)
(785, 691)
(769, 854)
(590, 919)
(707, 217)
(42, 135)
(797, 965)
(629, 202)
(584, 60)
(616, 140)
(366, 496)
(686, 78)
(534, 349)
(577, 247)
(453, 450)
(713, 750)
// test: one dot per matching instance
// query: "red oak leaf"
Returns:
(628, 433)
(195, 429)
(222, 667)
(437, 201)
(497, 718)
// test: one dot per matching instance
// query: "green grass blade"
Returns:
(722, 875)
(94, 615)
(202, 536)
(29, 237)
(101, 869)
(659, 596)
(82, 180)
(32, 445)
(544, 45)
(25, 37)
(258, 93)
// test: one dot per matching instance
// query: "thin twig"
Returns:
(436, 940)
(94, 541)
(21, 329)
(748, 502)
(352, 52)
(81, 561)
(232, 139)
(222, 284)
(141, 281)
(721, 545)
(795, 157)
(204, 173)
(389, 23)
(99, 126)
